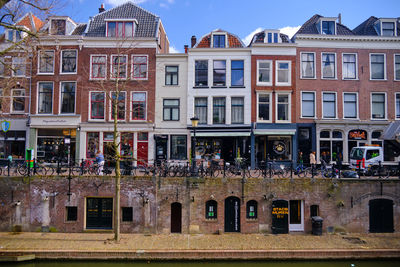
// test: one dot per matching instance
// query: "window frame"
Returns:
(357, 108)
(322, 103)
(322, 66)
(67, 212)
(12, 100)
(385, 106)
(315, 105)
(171, 144)
(213, 106)
(289, 94)
(171, 108)
(60, 98)
(112, 67)
(131, 105)
(394, 66)
(167, 73)
(133, 68)
(328, 21)
(314, 66)
(219, 34)
(269, 93)
(124, 215)
(270, 72)
(38, 98)
(384, 67)
(289, 83)
(356, 67)
(213, 203)
(61, 61)
(388, 21)
(110, 105)
(90, 106)
(91, 67)
(13, 64)
(134, 22)
(240, 106)
(225, 75)
(206, 108)
(195, 74)
(39, 62)
(237, 69)
(396, 110)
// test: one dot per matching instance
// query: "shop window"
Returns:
(72, 213)
(138, 106)
(139, 67)
(97, 105)
(18, 100)
(337, 134)
(45, 98)
(46, 62)
(68, 97)
(308, 104)
(329, 105)
(283, 73)
(264, 107)
(376, 134)
(308, 65)
(314, 210)
(219, 110)
(143, 136)
(237, 73)
(349, 67)
(378, 102)
(377, 65)
(279, 148)
(201, 73)
(264, 72)
(127, 145)
(127, 214)
(283, 111)
(119, 66)
(251, 209)
(237, 110)
(211, 209)
(171, 109)
(350, 107)
(219, 73)
(397, 105)
(108, 146)
(98, 66)
(92, 146)
(324, 134)
(330, 145)
(178, 147)
(18, 66)
(200, 109)
(120, 105)
(171, 75)
(68, 61)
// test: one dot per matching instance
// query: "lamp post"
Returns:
(194, 121)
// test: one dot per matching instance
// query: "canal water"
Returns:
(348, 263)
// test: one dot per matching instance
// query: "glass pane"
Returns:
(128, 29)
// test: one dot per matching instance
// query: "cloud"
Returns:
(173, 50)
(290, 31)
(246, 40)
(167, 3)
(120, 2)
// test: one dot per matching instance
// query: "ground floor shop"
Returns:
(13, 138)
(172, 146)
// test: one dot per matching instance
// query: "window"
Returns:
(127, 214)
(97, 105)
(264, 72)
(18, 65)
(171, 110)
(349, 67)
(283, 73)
(171, 75)
(388, 29)
(308, 65)
(72, 213)
(119, 67)
(138, 106)
(398, 106)
(120, 29)
(219, 40)
(308, 104)
(219, 73)
(251, 209)
(314, 210)
(45, 99)
(378, 106)
(328, 27)
(10, 35)
(328, 105)
(377, 62)
(350, 107)
(397, 67)
(127, 145)
(201, 73)
(18, 100)
(237, 73)
(330, 145)
(237, 110)
(328, 66)
(68, 90)
(139, 67)
(200, 109)
(46, 62)
(218, 110)
(275, 37)
(68, 61)
(283, 103)
(178, 147)
(98, 67)
(211, 209)
(58, 27)
(92, 146)
(264, 107)
(120, 105)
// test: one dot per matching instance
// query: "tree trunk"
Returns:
(117, 209)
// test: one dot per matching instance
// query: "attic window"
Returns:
(272, 37)
(123, 29)
(388, 29)
(58, 27)
(328, 27)
(219, 40)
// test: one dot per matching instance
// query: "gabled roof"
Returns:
(259, 38)
(367, 27)
(147, 22)
(30, 21)
(80, 29)
(233, 40)
(309, 27)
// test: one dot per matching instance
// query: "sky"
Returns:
(184, 18)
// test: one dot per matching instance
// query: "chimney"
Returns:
(186, 48)
(340, 18)
(102, 9)
(193, 40)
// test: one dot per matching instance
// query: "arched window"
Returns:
(251, 209)
(211, 209)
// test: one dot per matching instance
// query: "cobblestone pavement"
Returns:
(101, 241)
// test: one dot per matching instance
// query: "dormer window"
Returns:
(272, 36)
(58, 27)
(328, 27)
(124, 29)
(388, 29)
(14, 35)
(219, 40)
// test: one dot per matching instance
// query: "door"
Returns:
(161, 147)
(296, 215)
(381, 216)
(232, 214)
(143, 148)
(279, 214)
(99, 213)
(176, 217)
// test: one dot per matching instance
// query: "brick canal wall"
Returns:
(343, 204)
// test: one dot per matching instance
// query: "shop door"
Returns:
(161, 148)
(279, 216)
(296, 215)
(99, 213)
(381, 216)
(176, 217)
(232, 214)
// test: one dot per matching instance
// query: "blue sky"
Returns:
(184, 18)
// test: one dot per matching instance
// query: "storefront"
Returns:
(171, 147)
(13, 139)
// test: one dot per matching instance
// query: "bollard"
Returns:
(265, 170)
(82, 166)
(224, 162)
(291, 170)
(8, 167)
(312, 171)
(34, 166)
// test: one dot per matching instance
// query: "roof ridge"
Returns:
(126, 3)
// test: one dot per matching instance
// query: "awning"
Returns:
(221, 134)
(275, 131)
(392, 132)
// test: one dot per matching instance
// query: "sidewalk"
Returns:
(183, 246)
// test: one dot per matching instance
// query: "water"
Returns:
(349, 263)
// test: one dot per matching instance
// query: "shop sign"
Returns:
(279, 147)
(5, 126)
(280, 212)
(358, 135)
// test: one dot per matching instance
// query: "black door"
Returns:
(381, 216)
(99, 213)
(279, 215)
(176, 217)
(161, 147)
(232, 214)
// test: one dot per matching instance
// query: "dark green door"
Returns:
(381, 216)
(232, 214)
(99, 213)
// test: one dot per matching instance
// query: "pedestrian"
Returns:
(312, 159)
(301, 159)
(100, 162)
(339, 160)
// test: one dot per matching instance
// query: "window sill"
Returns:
(200, 87)
(264, 84)
(374, 119)
(139, 79)
(377, 80)
(279, 121)
(45, 73)
(170, 85)
(96, 79)
(262, 121)
(330, 118)
(351, 119)
(332, 79)
(237, 87)
(249, 220)
(212, 220)
(348, 79)
(308, 78)
(216, 86)
(309, 118)
(68, 73)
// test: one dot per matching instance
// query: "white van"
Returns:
(364, 157)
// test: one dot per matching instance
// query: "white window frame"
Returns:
(289, 94)
(270, 72)
(60, 98)
(395, 107)
(315, 105)
(13, 67)
(322, 104)
(12, 100)
(219, 33)
(37, 99)
(315, 66)
(289, 83)
(322, 66)
(38, 63)
(356, 57)
(147, 67)
(385, 105)
(270, 105)
(110, 106)
(91, 70)
(388, 20)
(357, 106)
(90, 106)
(328, 20)
(130, 106)
(394, 67)
(76, 62)
(384, 67)
(112, 69)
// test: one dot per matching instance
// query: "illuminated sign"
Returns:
(358, 135)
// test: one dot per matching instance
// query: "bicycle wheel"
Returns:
(49, 170)
(39, 170)
(22, 170)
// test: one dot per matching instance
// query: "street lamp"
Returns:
(194, 121)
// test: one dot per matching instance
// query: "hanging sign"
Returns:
(5, 126)
(358, 135)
